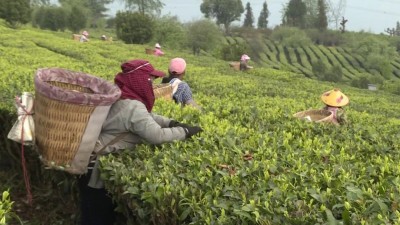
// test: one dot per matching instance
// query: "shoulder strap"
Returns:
(113, 141)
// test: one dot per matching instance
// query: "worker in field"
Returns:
(103, 37)
(334, 101)
(244, 63)
(181, 91)
(157, 50)
(84, 36)
(130, 121)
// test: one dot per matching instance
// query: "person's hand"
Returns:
(190, 131)
(174, 123)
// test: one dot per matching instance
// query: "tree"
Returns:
(295, 14)
(322, 20)
(134, 28)
(15, 12)
(97, 9)
(249, 18)
(263, 18)
(144, 6)
(51, 18)
(336, 12)
(77, 19)
(170, 32)
(203, 34)
(225, 11)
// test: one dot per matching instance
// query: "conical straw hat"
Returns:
(335, 98)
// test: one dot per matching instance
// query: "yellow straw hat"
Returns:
(335, 98)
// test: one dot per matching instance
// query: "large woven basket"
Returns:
(235, 65)
(70, 108)
(315, 115)
(163, 91)
(149, 51)
(76, 37)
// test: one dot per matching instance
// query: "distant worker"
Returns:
(157, 50)
(334, 101)
(181, 91)
(244, 61)
(103, 37)
(84, 36)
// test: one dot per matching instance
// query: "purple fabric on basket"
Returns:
(104, 92)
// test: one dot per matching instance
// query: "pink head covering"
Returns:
(177, 66)
(244, 57)
(85, 33)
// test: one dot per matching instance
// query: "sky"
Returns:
(368, 15)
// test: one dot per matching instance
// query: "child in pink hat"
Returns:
(181, 92)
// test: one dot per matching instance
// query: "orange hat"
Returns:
(335, 98)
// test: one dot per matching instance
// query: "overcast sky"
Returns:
(368, 15)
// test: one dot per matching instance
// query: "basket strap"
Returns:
(113, 141)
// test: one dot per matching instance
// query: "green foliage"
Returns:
(169, 32)
(375, 50)
(145, 7)
(97, 10)
(77, 19)
(263, 18)
(326, 37)
(5, 208)
(327, 73)
(391, 86)
(203, 35)
(361, 82)
(322, 19)
(319, 68)
(51, 18)
(225, 11)
(295, 13)
(233, 51)
(291, 36)
(15, 12)
(249, 18)
(134, 28)
(6, 213)
(253, 164)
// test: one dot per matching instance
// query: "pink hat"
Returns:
(244, 57)
(85, 33)
(177, 66)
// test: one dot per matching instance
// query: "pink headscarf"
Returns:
(135, 83)
(244, 57)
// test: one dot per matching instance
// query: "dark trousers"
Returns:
(96, 205)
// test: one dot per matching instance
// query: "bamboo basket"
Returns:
(235, 65)
(315, 115)
(149, 51)
(163, 91)
(70, 108)
(76, 37)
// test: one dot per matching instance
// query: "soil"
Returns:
(52, 204)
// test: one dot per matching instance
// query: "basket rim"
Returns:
(105, 93)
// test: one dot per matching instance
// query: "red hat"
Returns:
(141, 65)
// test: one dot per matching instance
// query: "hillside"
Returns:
(269, 53)
(298, 173)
